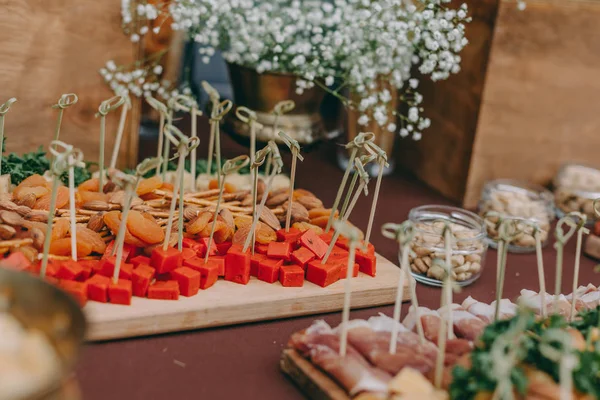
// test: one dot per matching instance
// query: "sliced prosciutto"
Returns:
(352, 371)
(429, 318)
(481, 310)
(588, 297)
(466, 325)
(561, 306)
(372, 340)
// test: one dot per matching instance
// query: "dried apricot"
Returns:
(112, 219)
(91, 237)
(37, 191)
(320, 221)
(321, 212)
(31, 181)
(218, 226)
(86, 196)
(227, 188)
(149, 217)
(60, 228)
(172, 243)
(197, 225)
(242, 220)
(264, 234)
(304, 226)
(302, 192)
(62, 199)
(148, 185)
(62, 247)
(143, 228)
(167, 186)
(91, 185)
(222, 233)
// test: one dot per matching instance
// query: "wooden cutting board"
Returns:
(228, 303)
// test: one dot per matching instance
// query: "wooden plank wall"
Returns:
(441, 158)
(54, 47)
(541, 103)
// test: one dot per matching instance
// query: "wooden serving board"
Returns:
(228, 303)
(312, 381)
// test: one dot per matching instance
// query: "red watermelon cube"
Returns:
(291, 276)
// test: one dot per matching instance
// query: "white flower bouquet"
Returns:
(344, 46)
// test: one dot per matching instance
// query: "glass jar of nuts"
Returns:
(468, 245)
(576, 186)
(521, 201)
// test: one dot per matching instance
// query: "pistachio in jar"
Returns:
(467, 249)
(576, 186)
(529, 205)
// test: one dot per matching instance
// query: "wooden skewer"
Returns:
(353, 236)
(540, 268)
(581, 230)
(103, 110)
(163, 111)
(294, 147)
(3, 110)
(382, 162)
(119, 137)
(230, 166)
(358, 142)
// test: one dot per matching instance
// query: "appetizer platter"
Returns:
(542, 346)
(157, 250)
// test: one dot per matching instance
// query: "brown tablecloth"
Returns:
(243, 361)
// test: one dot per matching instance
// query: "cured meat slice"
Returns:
(466, 325)
(533, 301)
(352, 371)
(481, 310)
(429, 318)
(486, 312)
(591, 299)
(374, 346)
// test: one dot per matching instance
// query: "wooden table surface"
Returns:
(243, 361)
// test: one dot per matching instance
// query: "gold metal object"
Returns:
(261, 92)
(43, 307)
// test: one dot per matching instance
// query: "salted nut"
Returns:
(11, 218)
(268, 217)
(309, 202)
(519, 204)
(429, 256)
(576, 188)
(96, 222)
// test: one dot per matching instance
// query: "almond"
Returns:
(28, 200)
(8, 205)
(309, 202)
(270, 219)
(96, 222)
(247, 201)
(299, 212)
(37, 216)
(11, 218)
(38, 237)
(7, 232)
(109, 187)
(277, 199)
(96, 205)
(22, 210)
(191, 212)
(227, 218)
(260, 186)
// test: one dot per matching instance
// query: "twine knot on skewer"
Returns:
(147, 165)
(284, 106)
(362, 175)
(276, 161)
(66, 100)
(121, 178)
(109, 105)
(65, 157)
(211, 91)
(182, 142)
(559, 233)
(361, 140)
(248, 116)
(293, 144)
(221, 110)
(157, 105)
(260, 157)
(381, 155)
(235, 164)
(6, 106)
(596, 205)
(182, 102)
(352, 233)
(402, 233)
